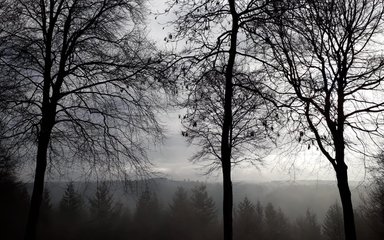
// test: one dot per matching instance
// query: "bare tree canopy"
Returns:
(324, 57)
(91, 61)
(226, 121)
(203, 121)
(87, 85)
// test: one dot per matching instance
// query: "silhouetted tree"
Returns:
(148, 216)
(333, 223)
(71, 204)
(204, 213)
(276, 224)
(87, 77)
(223, 119)
(104, 213)
(180, 216)
(71, 214)
(259, 227)
(330, 62)
(308, 227)
(248, 220)
(101, 204)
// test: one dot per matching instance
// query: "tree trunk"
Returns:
(48, 113)
(226, 147)
(38, 185)
(227, 201)
(346, 201)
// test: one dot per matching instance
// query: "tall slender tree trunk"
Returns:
(226, 148)
(346, 202)
(341, 168)
(227, 200)
(48, 113)
(38, 185)
(46, 125)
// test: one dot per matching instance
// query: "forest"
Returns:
(190, 214)
(84, 84)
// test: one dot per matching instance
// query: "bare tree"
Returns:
(88, 80)
(327, 54)
(203, 122)
(222, 118)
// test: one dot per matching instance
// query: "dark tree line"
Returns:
(190, 215)
(14, 199)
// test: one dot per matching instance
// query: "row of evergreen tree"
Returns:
(189, 216)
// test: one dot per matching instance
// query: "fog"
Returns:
(294, 198)
(150, 209)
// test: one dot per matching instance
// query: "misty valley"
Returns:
(166, 209)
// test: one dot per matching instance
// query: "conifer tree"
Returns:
(276, 224)
(333, 223)
(71, 204)
(245, 225)
(101, 206)
(180, 202)
(180, 215)
(203, 205)
(147, 217)
(308, 227)
(204, 212)
(259, 215)
(104, 214)
(71, 215)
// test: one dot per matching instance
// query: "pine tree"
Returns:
(259, 216)
(101, 205)
(71, 204)
(333, 227)
(180, 215)
(180, 203)
(276, 224)
(203, 205)
(246, 223)
(105, 214)
(307, 227)
(146, 206)
(204, 213)
(71, 215)
(147, 217)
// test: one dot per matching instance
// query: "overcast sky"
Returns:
(173, 158)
